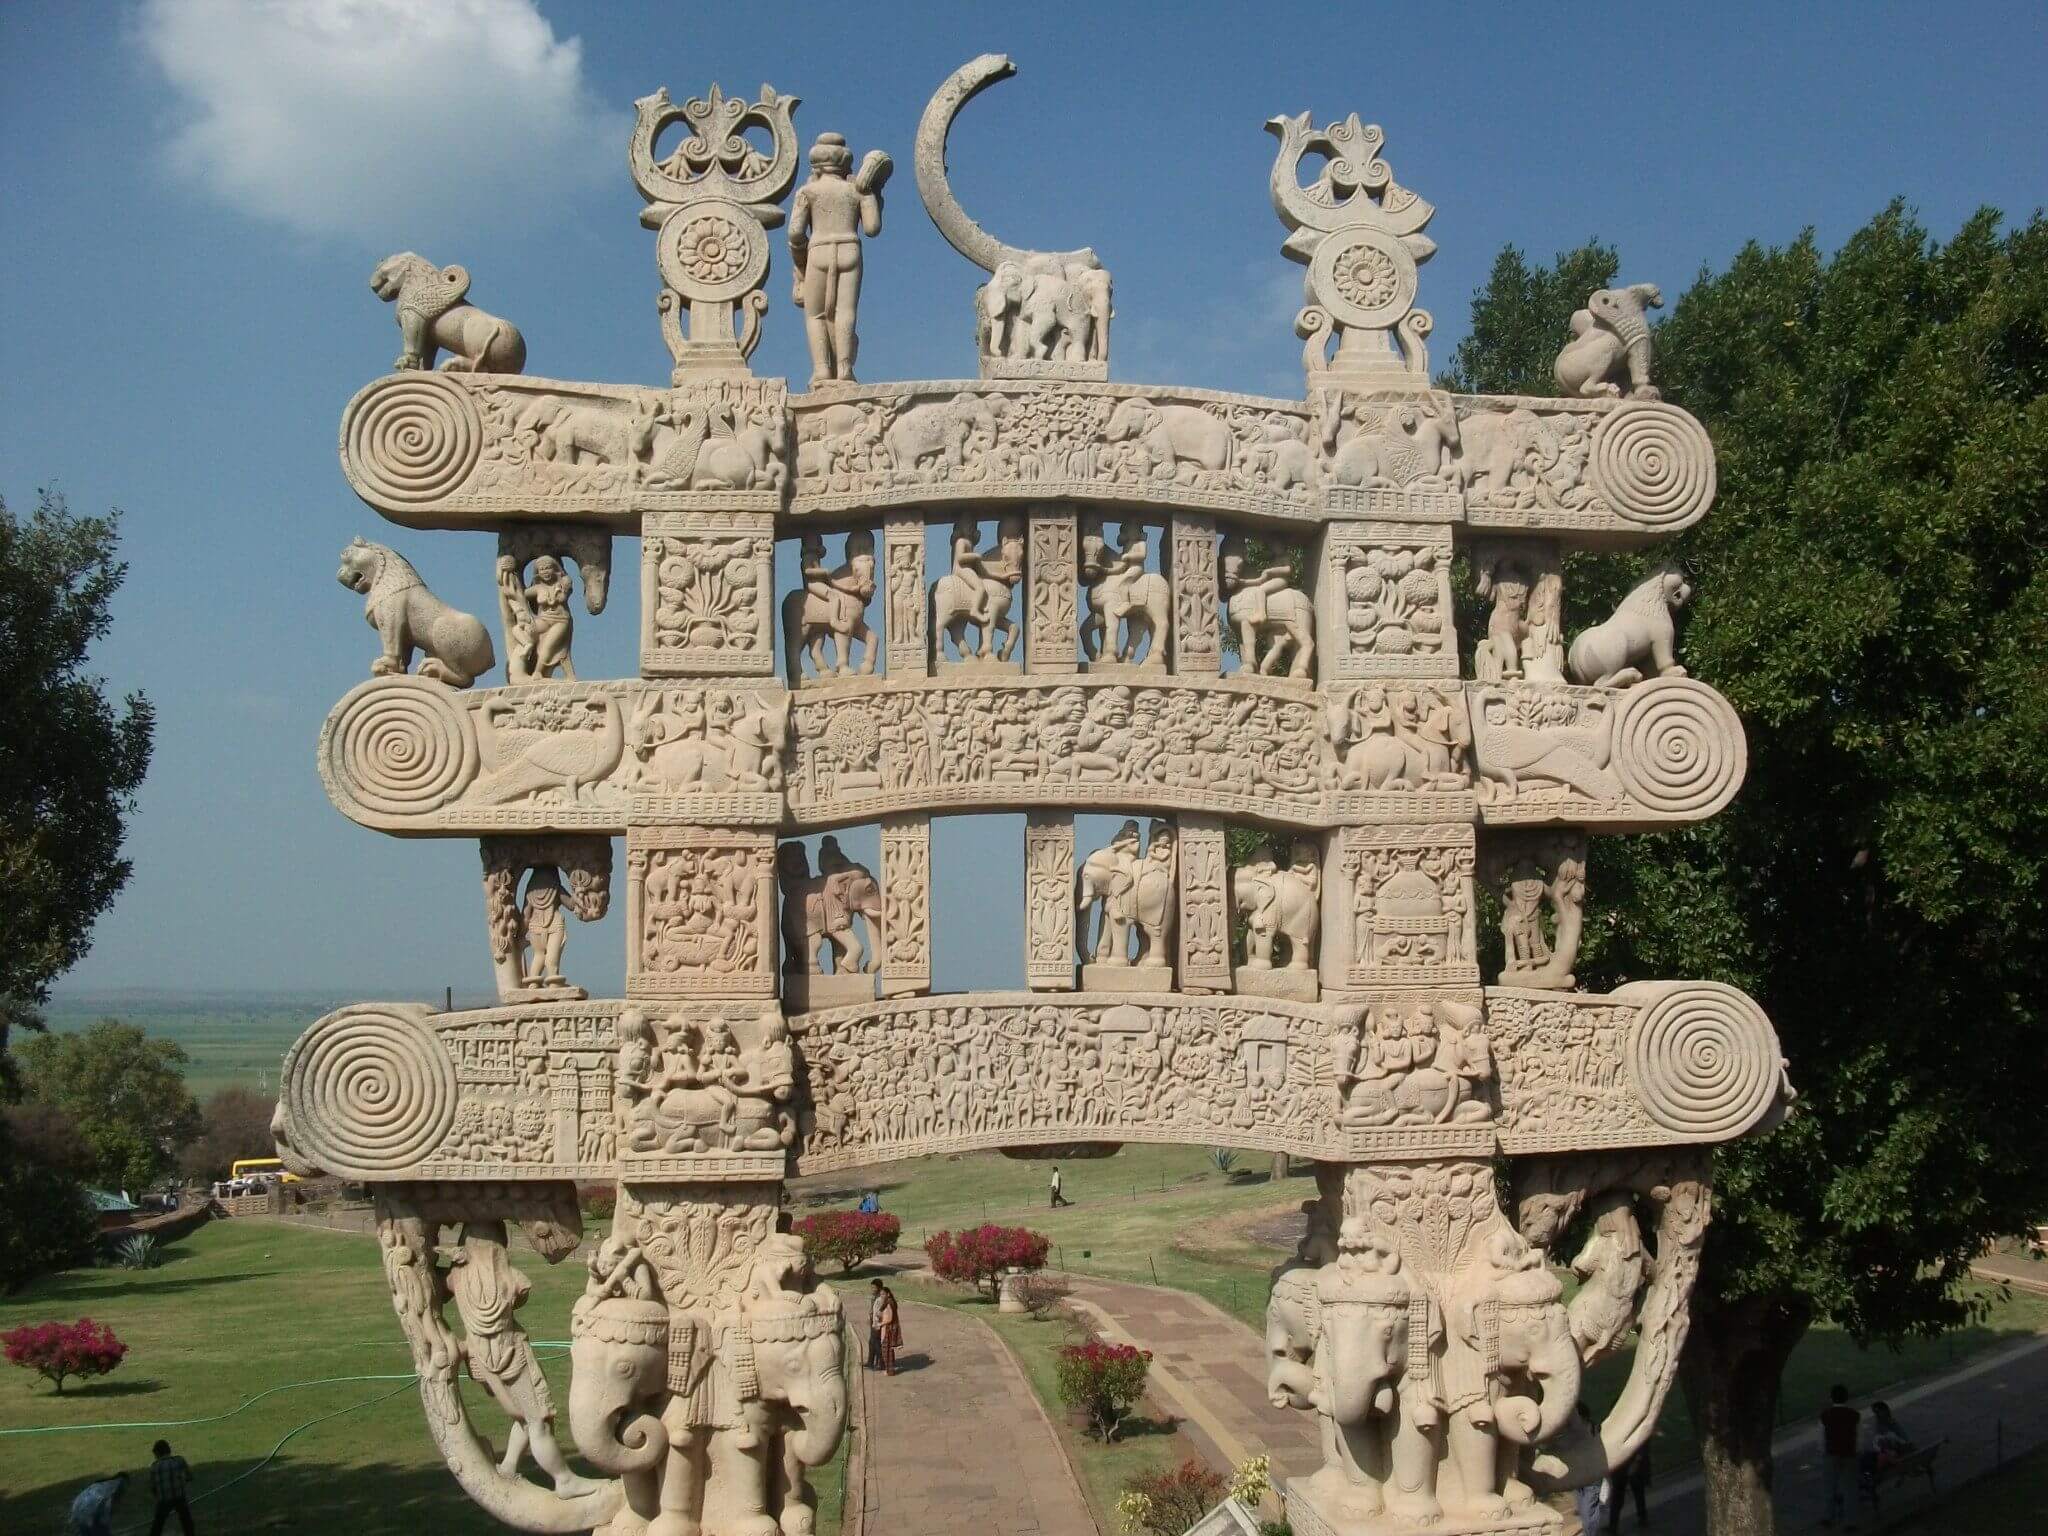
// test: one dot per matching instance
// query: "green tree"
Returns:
(124, 1091)
(70, 761)
(1873, 597)
(236, 1125)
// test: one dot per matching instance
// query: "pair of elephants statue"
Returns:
(1047, 307)
(710, 1411)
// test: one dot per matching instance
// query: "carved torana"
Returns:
(1223, 621)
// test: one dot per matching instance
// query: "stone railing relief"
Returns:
(1185, 609)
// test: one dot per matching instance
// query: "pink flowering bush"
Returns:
(975, 1257)
(1106, 1380)
(60, 1351)
(848, 1238)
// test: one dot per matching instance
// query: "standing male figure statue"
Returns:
(831, 212)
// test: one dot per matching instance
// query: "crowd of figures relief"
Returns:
(1339, 915)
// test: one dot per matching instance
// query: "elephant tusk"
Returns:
(961, 232)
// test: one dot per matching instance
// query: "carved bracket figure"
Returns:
(433, 318)
(1525, 626)
(528, 932)
(1609, 353)
(534, 592)
(1041, 314)
(407, 617)
(1542, 875)
(710, 201)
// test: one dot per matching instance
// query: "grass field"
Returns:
(240, 1308)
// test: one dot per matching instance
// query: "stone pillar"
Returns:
(707, 594)
(906, 937)
(1204, 905)
(905, 609)
(1054, 636)
(1197, 642)
(1049, 901)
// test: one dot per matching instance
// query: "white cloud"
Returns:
(389, 120)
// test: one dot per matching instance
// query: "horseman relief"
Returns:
(1129, 609)
(976, 593)
(827, 616)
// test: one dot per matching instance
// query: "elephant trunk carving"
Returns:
(619, 1356)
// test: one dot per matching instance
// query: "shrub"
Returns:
(1104, 1380)
(1041, 1294)
(1169, 1500)
(142, 1251)
(597, 1200)
(975, 1257)
(59, 1351)
(848, 1238)
(1225, 1158)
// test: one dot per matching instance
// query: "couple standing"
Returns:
(885, 1329)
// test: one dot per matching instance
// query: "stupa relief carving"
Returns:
(1610, 350)
(827, 218)
(1192, 611)
(433, 318)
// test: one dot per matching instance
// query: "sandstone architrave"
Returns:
(1321, 997)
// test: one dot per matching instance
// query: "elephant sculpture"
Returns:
(711, 1414)
(938, 432)
(1511, 1378)
(1279, 903)
(1378, 1455)
(1610, 345)
(1177, 440)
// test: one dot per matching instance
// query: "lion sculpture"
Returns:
(1639, 640)
(407, 617)
(432, 317)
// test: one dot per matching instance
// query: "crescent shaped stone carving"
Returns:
(961, 232)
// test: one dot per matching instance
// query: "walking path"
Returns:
(956, 1441)
(1210, 1368)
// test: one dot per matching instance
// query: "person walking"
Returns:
(1058, 1199)
(886, 1332)
(1838, 1452)
(169, 1480)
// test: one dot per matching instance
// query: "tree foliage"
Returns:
(1872, 595)
(848, 1238)
(979, 1254)
(235, 1123)
(123, 1090)
(70, 760)
(47, 1224)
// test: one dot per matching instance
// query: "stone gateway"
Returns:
(1187, 608)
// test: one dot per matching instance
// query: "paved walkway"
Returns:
(956, 1441)
(1210, 1368)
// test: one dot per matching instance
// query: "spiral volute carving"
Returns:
(411, 439)
(1653, 464)
(367, 1091)
(1705, 1061)
(398, 746)
(1679, 747)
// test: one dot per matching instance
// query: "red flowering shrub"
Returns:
(975, 1257)
(60, 1351)
(848, 1238)
(1104, 1379)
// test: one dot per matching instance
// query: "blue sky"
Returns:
(195, 194)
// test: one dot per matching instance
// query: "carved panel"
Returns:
(906, 905)
(1204, 905)
(704, 1090)
(1406, 899)
(1399, 752)
(445, 450)
(1049, 952)
(1386, 601)
(707, 583)
(1197, 639)
(1053, 569)
(1662, 751)
(700, 912)
(903, 615)
(1652, 1063)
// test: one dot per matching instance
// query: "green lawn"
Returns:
(239, 1308)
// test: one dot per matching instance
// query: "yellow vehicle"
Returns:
(261, 1167)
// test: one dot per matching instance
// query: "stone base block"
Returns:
(801, 993)
(1314, 1509)
(1295, 986)
(979, 666)
(1126, 978)
(562, 994)
(1042, 368)
(1151, 669)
